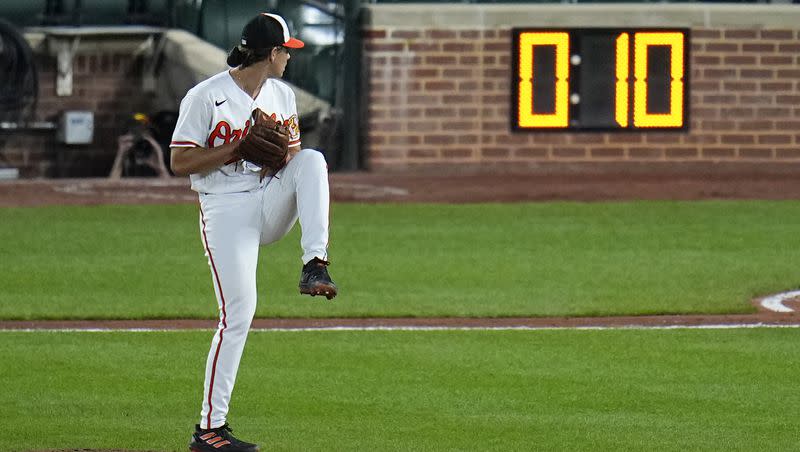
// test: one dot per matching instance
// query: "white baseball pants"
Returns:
(232, 227)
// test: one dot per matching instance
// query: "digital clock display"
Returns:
(600, 79)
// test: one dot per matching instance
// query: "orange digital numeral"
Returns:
(641, 118)
(527, 117)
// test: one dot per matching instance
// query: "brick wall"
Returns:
(440, 96)
(105, 81)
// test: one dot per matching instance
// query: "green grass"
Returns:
(424, 391)
(543, 259)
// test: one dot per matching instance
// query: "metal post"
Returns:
(351, 157)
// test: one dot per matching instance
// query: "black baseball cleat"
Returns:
(315, 280)
(218, 439)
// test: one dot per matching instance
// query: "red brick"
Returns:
(737, 139)
(468, 139)
(681, 152)
(406, 34)
(439, 112)
(492, 99)
(384, 47)
(457, 73)
(377, 114)
(707, 60)
(663, 138)
(469, 112)
(737, 34)
(774, 139)
(701, 138)
(461, 125)
(740, 86)
(468, 59)
(726, 99)
(468, 85)
(587, 138)
(551, 138)
(495, 152)
(776, 86)
(422, 153)
(440, 85)
(722, 47)
(718, 126)
(739, 112)
(625, 138)
(787, 99)
(755, 153)
(787, 153)
(740, 60)
(708, 86)
(373, 34)
(422, 126)
(423, 72)
(569, 152)
(706, 34)
(499, 73)
(761, 47)
(607, 152)
(373, 60)
(404, 139)
(496, 46)
(788, 73)
(389, 153)
(755, 125)
(460, 153)
(406, 60)
(458, 47)
(405, 86)
(385, 126)
(439, 139)
(756, 99)
(458, 99)
(649, 153)
(705, 112)
(756, 73)
(441, 34)
(718, 153)
(719, 73)
(440, 60)
(424, 47)
(777, 34)
(531, 153)
(789, 48)
(774, 112)
(489, 33)
(776, 60)
(469, 34)
(787, 125)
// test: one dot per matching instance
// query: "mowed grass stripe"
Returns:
(448, 390)
(545, 259)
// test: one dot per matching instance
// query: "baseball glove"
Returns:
(266, 145)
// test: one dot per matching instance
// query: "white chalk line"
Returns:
(722, 326)
(774, 303)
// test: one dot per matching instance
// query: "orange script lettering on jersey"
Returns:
(223, 133)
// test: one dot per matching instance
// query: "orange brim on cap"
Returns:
(294, 43)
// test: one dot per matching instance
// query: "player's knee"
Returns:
(312, 158)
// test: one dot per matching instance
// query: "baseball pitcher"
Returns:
(238, 139)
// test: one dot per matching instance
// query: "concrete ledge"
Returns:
(574, 15)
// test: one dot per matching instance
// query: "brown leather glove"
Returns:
(266, 144)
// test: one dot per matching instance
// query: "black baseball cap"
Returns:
(268, 30)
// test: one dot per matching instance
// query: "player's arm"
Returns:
(192, 160)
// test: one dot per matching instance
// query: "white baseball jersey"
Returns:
(216, 112)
